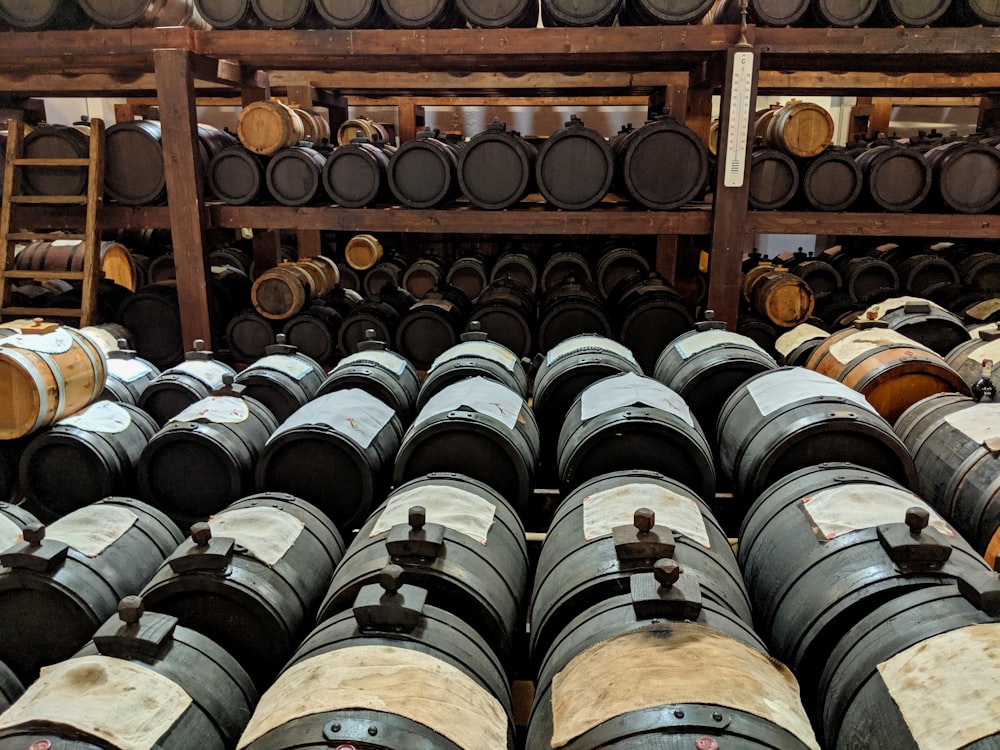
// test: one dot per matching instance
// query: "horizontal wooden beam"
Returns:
(108, 217)
(876, 84)
(873, 224)
(501, 100)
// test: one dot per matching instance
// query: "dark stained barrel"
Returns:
(781, 421)
(143, 678)
(914, 12)
(248, 333)
(36, 15)
(252, 580)
(60, 583)
(355, 176)
(763, 12)
(496, 168)
(432, 325)
(13, 520)
(843, 13)
(704, 365)
(287, 14)
(283, 380)
(350, 14)
(10, 687)
(619, 524)
(179, 387)
(507, 313)
(653, 12)
(955, 454)
(561, 264)
(384, 374)
(517, 266)
(399, 648)
(10, 457)
(923, 321)
(615, 264)
(387, 272)
(627, 422)
(204, 458)
(423, 274)
(572, 307)
(421, 14)
(920, 274)
(422, 172)
(496, 14)
(474, 356)
(795, 347)
(228, 14)
(128, 145)
(838, 522)
(575, 166)
(832, 181)
(120, 14)
(874, 691)
(867, 279)
(86, 457)
(967, 358)
(454, 536)
(579, 12)
(128, 376)
(662, 165)
(649, 313)
(56, 142)
(774, 179)
(980, 271)
(966, 176)
(897, 178)
(821, 277)
(343, 441)
(469, 273)
(979, 11)
(314, 332)
(295, 176)
(237, 176)
(479, 428)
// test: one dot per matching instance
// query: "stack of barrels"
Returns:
(831, 13)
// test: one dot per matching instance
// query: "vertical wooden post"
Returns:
(666, 256)
(730, 214)
(309, 244)
(266, 242)
(176, 99)
(407, 120)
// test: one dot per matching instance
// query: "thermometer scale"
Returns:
(739, 119)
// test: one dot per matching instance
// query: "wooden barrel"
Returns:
(499, 14)
(283, 380)
(470, 274)
(666, 12)
(350, 14)
(282, 291)
(891, 371)
(967, 358)
(86, 457)
(368, 128)
(153, 316)
(966, 176)
(431, 14)
(478, 428)
(355, 175)
(579, 12)
(128, 376)
(278, 554)
(178, 387)
(120, 14)
(423, 172)
(56, 142)
(858, 527)
(867, 279)
(10, 687)
(832, 181)
(821, 277)
(67, 255)
(362, 251)
(431, 326)
(316, 126)
(236, 176)
(496, 168)
(10, 456)
(380, 313)
(396, 649)
(570, 308)
(661, 146)
(897, 178)
(110, 337)
(129, 144)
(248, 333)
(60, 583)
(921, 320)
(314, 332)
(507, 313)
(228, 14)
(916, 13)
(844, 14)
(632, 422)
(474, 356)
(295, 176)
(384, 374)
(980, 271)
(617, 525)
(561, 264)
(920, 274)
(660, 656)
(774, 179)
(763, 12)
(795, 346)
(871, 691)
(978, 11)
(388, 272)
(51, 372)
(13, 520)
(947, 435)
(346, 439)
(649, 313)
(43, 14)
(616, 264)
(704, 365)
(457, 538)
(267, 127)
(781, 421)
(423, 275)
(142, 677)
(518, 266)
(800, 129)
(575, 166)
(781, 297)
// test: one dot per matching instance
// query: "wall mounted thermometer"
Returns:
(739, 119)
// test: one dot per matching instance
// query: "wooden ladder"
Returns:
(14, 197)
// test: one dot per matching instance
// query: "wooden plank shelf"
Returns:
(874, 224)
(109, 217)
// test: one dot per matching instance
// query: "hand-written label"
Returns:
(477, 394)
(294, 367)
(630, 389)
(217, 409)
(103, 417)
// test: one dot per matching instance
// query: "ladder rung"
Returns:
(29, 274)
(51, 162)
(31, 236)
(51, 200)
(41, 312)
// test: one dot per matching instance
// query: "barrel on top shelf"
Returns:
(388, 653)
(120, 14)
(251, 578)
(436, 14)
(56, 142)
(841, 14)
(496, 168)
(37, 16)
(287, 14)
(575, 166)
(353, 14)
(422, 172)
(652, 12)
(763, 12)
(475, 355)
(897, 178)
(896, 12)
(966, 176)
(494, 14)
(282, 380)
(60, 583)
(142, 681)
(355, 174)
(579, 12)
(227, 14)
(179, 387)
(384, 374)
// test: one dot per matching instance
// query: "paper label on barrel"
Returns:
(986, 350)
(10, 533)
(105, 341)
(881, 309)
(64, 243)
(128, 370)
(978, 422)
(781, 388)
(668, 665)
(482, 349)
(984, 309)
(394, 680)
(862, 342)
(207, 371)
(699, 342)
(852, 507)
(604, 510)
(217, 409)
(294, 367)
(789, 342)
(476, 394)
(93, 529)
(961, 670)
(387, 360)
(454, 508)
(57, 342)
(630, 389)
(104, 417)
(580, 343)
(352, 412)
(266, 533)
(120, 702)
